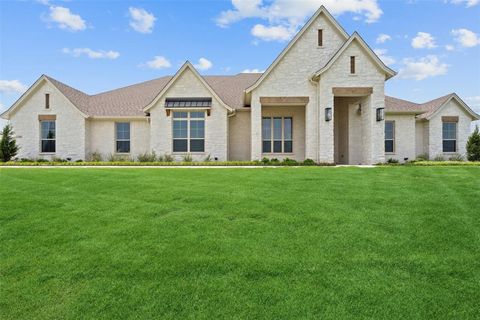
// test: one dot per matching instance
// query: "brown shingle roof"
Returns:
(423, 109)
(130, 101)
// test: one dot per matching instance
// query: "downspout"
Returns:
(317, 94)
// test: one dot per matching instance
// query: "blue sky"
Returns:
(96, 46)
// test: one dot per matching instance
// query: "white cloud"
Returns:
(99, 54)
(289, 15)
(382, 54)
(273, 33)
(423, 40)
(469, 3)
(382, 38)
(253, 71)
(473, 101)
(66, 19)
(12, 86)
(466, 37)
(158, 62)
(449, 47)
(203, 64)
(141, 20)
(429, 66)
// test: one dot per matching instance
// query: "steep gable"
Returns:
(303, 55)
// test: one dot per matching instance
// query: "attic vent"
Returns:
(188, 102)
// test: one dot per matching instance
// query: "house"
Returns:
(322, 99)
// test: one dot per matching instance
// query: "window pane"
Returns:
(180, 145)
(48, 146)
(200, 115)
(123, 146)
(266, 128)
(197, 145)
(183, 115)
(277, 146)
(449, 130)
(197, 129)
(389, 128)
(123, 131)
(267, 146)
(287, 147)
(180, 129)
(388, 145)
(287, 128)
(48, 129)
(449, 145)
(277, 128)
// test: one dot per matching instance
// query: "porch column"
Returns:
(326, 133)
(378, 127)
(256, 128)
(311, 129)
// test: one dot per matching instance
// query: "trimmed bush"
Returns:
(290, 162)
(147, 157)
(308, 162)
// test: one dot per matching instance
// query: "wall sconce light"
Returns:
(328, 114)
(380, 114)
(359, 110)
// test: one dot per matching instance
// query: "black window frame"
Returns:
(48, 144)
(389, 142)
(189, 144)
(272, 144)
(120, 143)
(449, 145)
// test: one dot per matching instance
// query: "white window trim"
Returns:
(41, 139)
(394, 135)
(189, 119)
(272, 139)
(456, 138)
(117, 140)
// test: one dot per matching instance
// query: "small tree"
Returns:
(8, 145)
(473, 146)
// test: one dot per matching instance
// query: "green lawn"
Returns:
(287, 243)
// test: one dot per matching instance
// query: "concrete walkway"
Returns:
(180, 167)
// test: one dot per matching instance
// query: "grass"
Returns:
(286, 243)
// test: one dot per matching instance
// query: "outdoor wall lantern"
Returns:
(328, 114)
(380, 114)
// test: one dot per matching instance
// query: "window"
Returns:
(122, 137)
(47, 136)
(277, 135)
(449, 132)
(47, 100)
(352, 64)
(320, 37)
(189, 131)
(389, 136)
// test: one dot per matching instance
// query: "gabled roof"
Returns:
(189, 66)
(434, 106)
(355, 36)
(69, 93)
(425, 110)
(321, 10)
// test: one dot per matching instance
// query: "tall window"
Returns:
(122, 137)
(189, 131)
(389, 136)
(47, 136)
(277, 135)
(320, 37)
(449, 132)
(352, 64)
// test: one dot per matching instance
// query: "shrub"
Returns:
(40, 160)
(119, 158)
(439, 157)
(308, 162)
(187, 158)
(167, 158)
(8, 145)
(79, 161)
(147, 157)
(456, 157)
(265, 160)
(289, 162)
(473, 146)
(422, 157)
(207, 158)
(57, 159)
(392, 160)
(95, 157)
(275, 161)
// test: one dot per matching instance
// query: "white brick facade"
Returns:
(303, 72)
